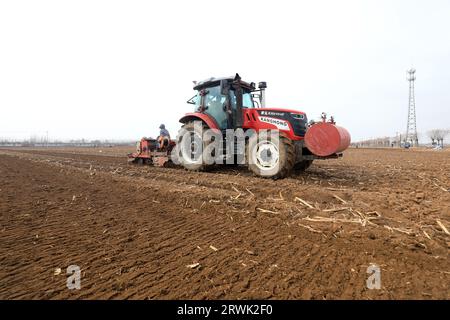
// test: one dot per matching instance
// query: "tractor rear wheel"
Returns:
(303, 165)
(190, 154)
(270, 156)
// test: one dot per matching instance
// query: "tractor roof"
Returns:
(212, 82)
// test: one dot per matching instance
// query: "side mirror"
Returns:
(224, 87)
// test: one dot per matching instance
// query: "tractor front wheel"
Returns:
(270, 155)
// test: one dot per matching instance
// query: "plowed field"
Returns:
(141, 232)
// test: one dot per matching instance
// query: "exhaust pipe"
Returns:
(262, 97)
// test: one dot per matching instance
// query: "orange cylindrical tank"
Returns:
(325, 138)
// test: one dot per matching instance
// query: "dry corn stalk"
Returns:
(442, 226)
(340, 199)
(304, 202)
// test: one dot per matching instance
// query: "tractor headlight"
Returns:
(298, 116)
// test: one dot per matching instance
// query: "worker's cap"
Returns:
(162, 126)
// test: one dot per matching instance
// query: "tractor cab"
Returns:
(223, 99)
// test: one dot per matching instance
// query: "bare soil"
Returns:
(136, 231)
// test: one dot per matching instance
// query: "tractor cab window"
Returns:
(247, 101)
(215, 106)
(214, 99)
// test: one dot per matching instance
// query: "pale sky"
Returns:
(117, 69)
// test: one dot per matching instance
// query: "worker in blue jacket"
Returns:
(164, 137)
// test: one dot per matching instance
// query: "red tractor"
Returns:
(224, 104)
(230, 103)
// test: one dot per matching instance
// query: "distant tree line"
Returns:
(383, 142)
(34, 141)
(436, 136)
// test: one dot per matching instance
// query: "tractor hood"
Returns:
(282, 110)
(297, 119)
